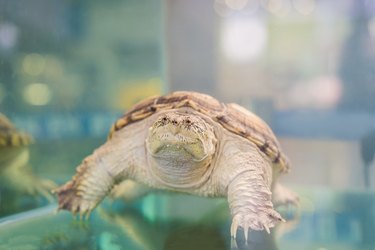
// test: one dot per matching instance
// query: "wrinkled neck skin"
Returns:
(180, 148)
(177, 170)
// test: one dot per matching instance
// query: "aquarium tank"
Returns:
(70, 68)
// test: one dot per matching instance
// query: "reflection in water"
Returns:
(258, 240)
(196, 236)
(47, 232)
(134, 227)
(15, 174)
(173, 234)
(209, 232)
(333, 220)
(76, 236)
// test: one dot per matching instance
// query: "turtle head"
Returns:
(181, 147)
(184, 135)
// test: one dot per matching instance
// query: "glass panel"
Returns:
(69, 69)
(328, 220)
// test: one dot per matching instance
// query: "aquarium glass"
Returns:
(70, 68)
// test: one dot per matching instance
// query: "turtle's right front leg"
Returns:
(87, 188)
(110, 164)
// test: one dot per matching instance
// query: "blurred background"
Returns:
(69, 68)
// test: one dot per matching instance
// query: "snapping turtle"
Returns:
(14, 156)
(188, 142)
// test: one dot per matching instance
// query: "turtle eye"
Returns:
(162, 121)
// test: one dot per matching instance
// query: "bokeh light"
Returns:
(323, 92)
(243, 39)
(227, 8)
(305, 7)
(9, 34)
(33, 64)
(221, 8)
(272, 6)
(280, 8)
(236, 4)
(37, 94)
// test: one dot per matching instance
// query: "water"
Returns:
(325, 220)
(68, 69)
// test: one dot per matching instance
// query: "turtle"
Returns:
(15, 171)
(192, 143)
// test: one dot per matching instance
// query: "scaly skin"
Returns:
(108, 165)
(245, 175)
(182, 151)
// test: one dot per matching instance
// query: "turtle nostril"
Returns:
(174, 122)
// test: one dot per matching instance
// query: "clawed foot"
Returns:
(262, 220)
(71, 199)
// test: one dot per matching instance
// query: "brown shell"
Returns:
(10, 136)
(231, 116)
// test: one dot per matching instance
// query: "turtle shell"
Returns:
(10, 136)
(232, 117)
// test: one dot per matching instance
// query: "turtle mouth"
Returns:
(176, 146)
(178, 161)
(180, 148)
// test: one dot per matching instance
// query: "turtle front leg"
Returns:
(98, 173)
(250, 203)
(246, 175)
(87, 188)
(110, 164)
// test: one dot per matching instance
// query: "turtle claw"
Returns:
(234, 227)
(70, 199)
(267, 228)
(263, 220)
(246, 230)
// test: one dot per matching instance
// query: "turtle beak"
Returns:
(175, 130)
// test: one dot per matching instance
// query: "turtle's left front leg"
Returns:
(249, 192)
(250, 204)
